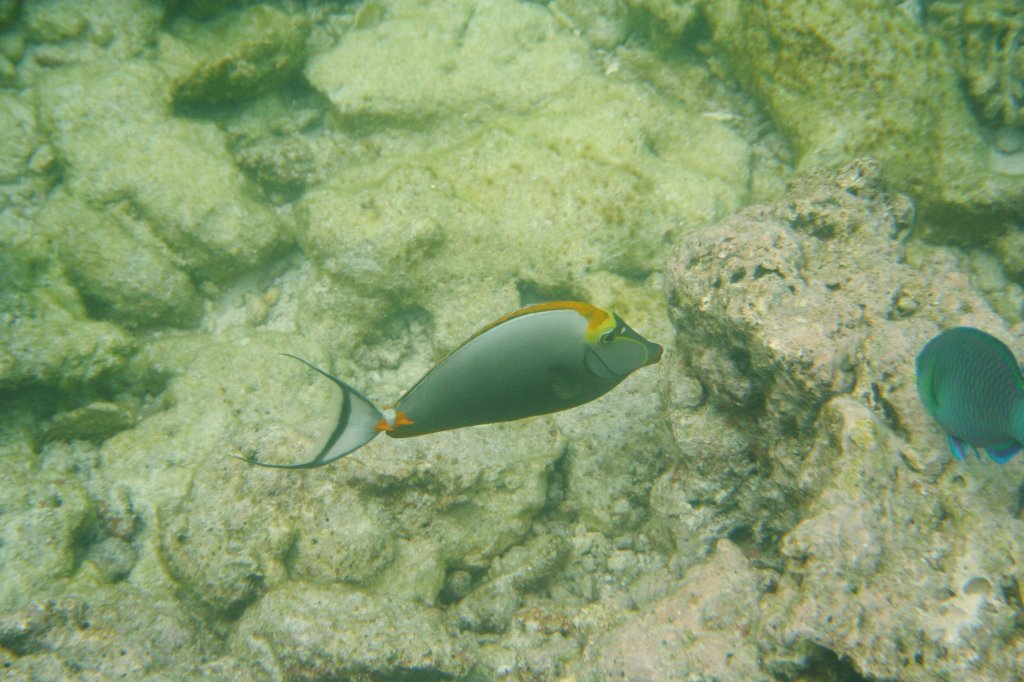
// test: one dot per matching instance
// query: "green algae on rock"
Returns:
(240, 55)
(96, 421)
(849, 78)
(41, 521)
(211, 412)
(54, 21)
(18, 121)
(117, 630)
(67, 32)
(413, 215)
(205, 9)
(423, 60)
(27, 163)
(223, 553)
(115, 134)
(987, 37)
(286, 142)
(45, 334)
(121, 274)
(8, 12)
(313, 632)
(609, 25)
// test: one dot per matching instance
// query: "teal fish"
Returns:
(971, 384)
(543, 358)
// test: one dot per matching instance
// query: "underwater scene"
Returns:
(479, 340)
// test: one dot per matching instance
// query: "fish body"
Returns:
(971, 384)
(540, 359)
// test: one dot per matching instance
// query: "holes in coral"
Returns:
(825, 664)
(741, 535)
(1011, 594)
(760, 271)
(978, 585)
(1019, 506)
(885, 406)
(740, 358)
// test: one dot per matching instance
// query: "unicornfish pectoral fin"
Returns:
(357, 425)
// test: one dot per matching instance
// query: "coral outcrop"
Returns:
(800, 322)
(988, 41)
(848, 77)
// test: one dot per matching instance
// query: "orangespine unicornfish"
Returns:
(971, 384)
(540, 359)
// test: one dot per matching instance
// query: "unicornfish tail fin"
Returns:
(357, 425)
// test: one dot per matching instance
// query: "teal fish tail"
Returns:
(1017, 429)
(1003, 453)
(956, 447)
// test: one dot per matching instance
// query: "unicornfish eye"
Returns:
(619, 351)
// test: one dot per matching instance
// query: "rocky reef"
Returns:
(800, 322)
(988, 41)
(792, 200)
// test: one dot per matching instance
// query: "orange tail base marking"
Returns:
(400, 420)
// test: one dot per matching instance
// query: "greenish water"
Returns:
(791, 198)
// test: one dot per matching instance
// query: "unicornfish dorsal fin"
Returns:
(357, 425)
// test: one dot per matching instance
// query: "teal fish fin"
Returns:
(957, 447)
(1004, 452)
(357, 426)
